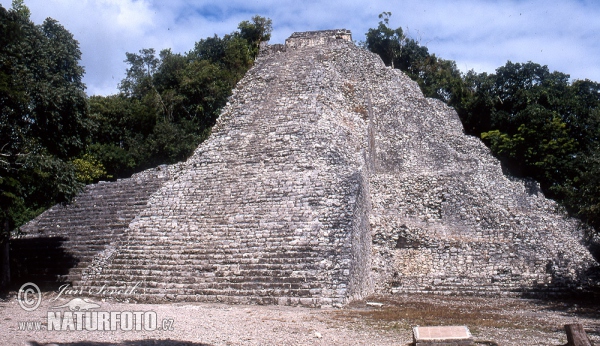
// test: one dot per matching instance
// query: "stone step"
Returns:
(208, 287)
(68, 238)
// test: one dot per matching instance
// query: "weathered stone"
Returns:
(66, 242)
(327, 177)
(442, 336)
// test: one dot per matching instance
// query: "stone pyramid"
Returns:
(328, 177)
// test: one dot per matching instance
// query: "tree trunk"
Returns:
(4, 254)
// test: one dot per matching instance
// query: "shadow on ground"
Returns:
(42, 260)
(583, 305)
(578, 306)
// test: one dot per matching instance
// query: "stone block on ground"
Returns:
(442, 336)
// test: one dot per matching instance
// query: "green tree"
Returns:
(119, 124)
(89, 169)
(579, 107)
(440, 79)
(138, 82)
(232, 53)
(476, 107)
(385, 41)
(255, 32)
(411, 56)
(540, 149)
(19, 7)
(437, 77)
(168, 103)
(43, 118)
(583, 194)
(211, 49)
(541, 127)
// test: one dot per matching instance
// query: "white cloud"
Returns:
(481, 35)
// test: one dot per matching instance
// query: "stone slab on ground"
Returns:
(442, 335)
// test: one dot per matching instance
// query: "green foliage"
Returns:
(168, 103)
(544, 133)
(43, 115)
(255, 32)
(53, 139)
(89, 169)
(384, 41)
(584, 193)
(232, 53)
(115, 159)
(437, 78)
(19, 7)
(44, 99)
(537, 149)
(142, 67)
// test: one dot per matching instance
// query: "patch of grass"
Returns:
(405, 313)
(349, 88)
(362, 110)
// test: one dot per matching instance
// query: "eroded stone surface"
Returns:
(329, 176)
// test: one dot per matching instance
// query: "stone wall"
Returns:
(329, 177)
(447, 220)
(316, 38)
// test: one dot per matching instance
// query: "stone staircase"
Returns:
(62, 242)
(268, 210)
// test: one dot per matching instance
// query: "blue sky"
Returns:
(480, 35)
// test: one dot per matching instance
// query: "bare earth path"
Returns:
(505, 321)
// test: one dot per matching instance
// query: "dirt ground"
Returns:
(492, 321)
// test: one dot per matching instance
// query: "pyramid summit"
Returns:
(328, 177)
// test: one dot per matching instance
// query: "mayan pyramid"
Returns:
(328, 177)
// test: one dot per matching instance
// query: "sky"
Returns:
(478, 34)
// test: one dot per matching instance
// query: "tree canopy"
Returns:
(168, 102)
(43, 115)
(54, 138)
